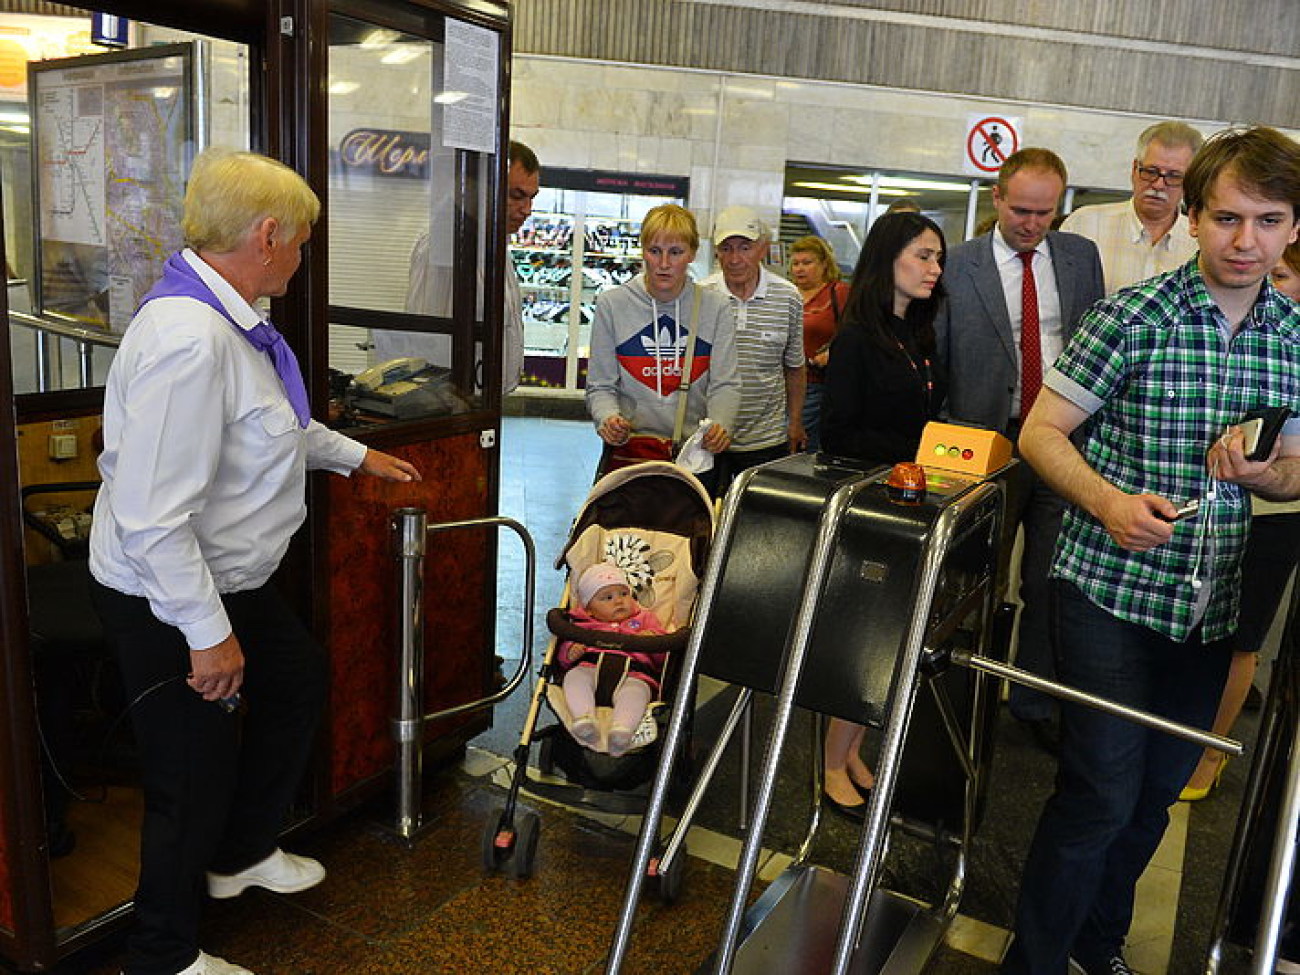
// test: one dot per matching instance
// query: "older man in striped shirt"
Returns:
(769, 345)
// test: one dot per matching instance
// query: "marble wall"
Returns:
(733, 134)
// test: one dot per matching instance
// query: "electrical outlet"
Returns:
(63, 446)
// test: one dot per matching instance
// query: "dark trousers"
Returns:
(812, 415)
(1114, 785)
(217, 785)
(731, 463)
(1039, 509)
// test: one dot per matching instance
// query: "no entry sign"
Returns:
(989, 140)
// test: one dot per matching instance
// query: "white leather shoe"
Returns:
(284, 873)
(207, 964)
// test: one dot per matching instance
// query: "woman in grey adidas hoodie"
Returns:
(646, 331)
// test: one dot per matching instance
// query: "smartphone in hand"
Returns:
(1261, 429)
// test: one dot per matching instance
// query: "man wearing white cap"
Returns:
(769, 345)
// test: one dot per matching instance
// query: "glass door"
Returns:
(412, 129)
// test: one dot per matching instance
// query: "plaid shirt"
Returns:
(1157, 368)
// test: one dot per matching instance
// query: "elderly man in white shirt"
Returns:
(208, 438)
(1147, 234)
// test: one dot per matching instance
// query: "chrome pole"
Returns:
(1195, 735)
(44, 368)
(530, 590)
(409, 526)
(86, 364)
(1281, 869)
(819, 565)
(648, 838)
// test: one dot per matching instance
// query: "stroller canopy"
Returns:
(655, 521)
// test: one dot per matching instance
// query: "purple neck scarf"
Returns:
(179, 279)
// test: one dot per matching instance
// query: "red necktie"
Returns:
(1031, 349)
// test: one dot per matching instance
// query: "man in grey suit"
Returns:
(1015, 296)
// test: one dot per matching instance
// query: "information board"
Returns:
(113, 136)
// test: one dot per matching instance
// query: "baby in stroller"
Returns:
(606, 603)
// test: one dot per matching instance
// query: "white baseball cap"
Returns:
(737, 222)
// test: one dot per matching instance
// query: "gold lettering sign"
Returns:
(386, 152)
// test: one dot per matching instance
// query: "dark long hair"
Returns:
(870, 305)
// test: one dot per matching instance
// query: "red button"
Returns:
(967, 454)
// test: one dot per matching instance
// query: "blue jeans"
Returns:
(1115, 782)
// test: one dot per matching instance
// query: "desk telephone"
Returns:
(404, 388)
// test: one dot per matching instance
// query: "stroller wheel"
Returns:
(498, 841)
(667, 884)
(527, 831)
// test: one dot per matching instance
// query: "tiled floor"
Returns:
(429, 907)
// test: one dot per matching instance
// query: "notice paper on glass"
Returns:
(469, 81)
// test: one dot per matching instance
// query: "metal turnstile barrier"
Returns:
(411, 531)
(1258, 881)
(825, 592)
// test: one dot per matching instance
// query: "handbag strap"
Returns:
(684, 386)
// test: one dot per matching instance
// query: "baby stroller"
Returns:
(655, 521)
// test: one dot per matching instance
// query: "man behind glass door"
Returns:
(426, 295)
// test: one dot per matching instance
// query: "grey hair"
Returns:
(1171, 135)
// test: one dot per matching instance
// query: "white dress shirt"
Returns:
(204, 462)
(428, 292)
(1051, 332)
(1128, 254)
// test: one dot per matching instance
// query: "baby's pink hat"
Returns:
(596, 577)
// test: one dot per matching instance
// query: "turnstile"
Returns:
(828, 592)
(1258, 885)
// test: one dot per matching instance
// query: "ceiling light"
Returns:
(841, 188)
(379, 38)
(450, 97)
(910, 183)
(343, 87)
(402, 54)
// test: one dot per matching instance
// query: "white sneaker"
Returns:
(284, 873)
(207, 964)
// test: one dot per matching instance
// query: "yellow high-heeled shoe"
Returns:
(1192, 794)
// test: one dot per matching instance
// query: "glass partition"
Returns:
(413, 156)
(94, 151)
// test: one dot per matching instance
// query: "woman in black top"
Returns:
(882, 386)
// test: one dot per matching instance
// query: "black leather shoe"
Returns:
(857, 812)
(1045, 734)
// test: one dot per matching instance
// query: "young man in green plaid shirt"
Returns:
(1159, 376)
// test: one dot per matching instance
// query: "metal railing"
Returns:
(411, 531)
(48, 364)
